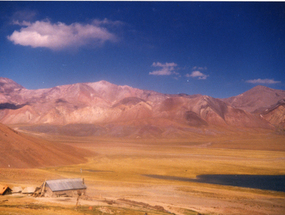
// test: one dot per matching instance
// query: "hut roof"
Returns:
(3, 189)
(66, 184)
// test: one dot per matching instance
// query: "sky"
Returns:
(219, 49)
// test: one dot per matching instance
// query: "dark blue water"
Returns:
(263, 182)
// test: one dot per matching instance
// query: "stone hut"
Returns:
(63, 187)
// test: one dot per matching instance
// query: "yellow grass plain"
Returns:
(116, 181)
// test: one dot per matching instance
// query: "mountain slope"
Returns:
(276, 114)
(256, 99)
(7, 85)
(22, 151)
(105, 108)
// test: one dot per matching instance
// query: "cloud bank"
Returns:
(59, 35)
(166, 69)
(262, 81)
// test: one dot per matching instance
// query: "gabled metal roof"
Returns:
(66, 184)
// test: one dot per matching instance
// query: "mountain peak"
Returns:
(7, 85)
(256, 99)
(260, 87)
(102, 107)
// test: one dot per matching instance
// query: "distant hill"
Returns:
(22, 151)
(257, 99)
(105, 109)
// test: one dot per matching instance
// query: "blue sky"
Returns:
(213, 48)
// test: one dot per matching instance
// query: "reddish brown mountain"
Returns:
(276, 114)
(22, 151)
(256, 99)
(102, 108)
(7, 85)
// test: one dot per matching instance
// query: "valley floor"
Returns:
(117, 184)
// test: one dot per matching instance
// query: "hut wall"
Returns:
(6, 191)
(48, 192)
(70, 193)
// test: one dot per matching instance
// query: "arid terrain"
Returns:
(140, 151)
(115, 176)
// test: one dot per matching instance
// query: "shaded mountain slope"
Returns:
(276, 114)
(22, 151)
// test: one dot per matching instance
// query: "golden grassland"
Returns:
(117, 169)
(27, 205)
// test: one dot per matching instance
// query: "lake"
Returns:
(263, 182)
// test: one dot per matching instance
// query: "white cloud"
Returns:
(107, 22)
(197, 74)
(59, 35)
(166, 69)
(27, 15)
(23, 23)
(199, 68)
(262, 81)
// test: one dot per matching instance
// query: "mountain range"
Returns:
(105, 109)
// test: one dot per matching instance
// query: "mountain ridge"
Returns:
(256, 99)
(102, 103)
